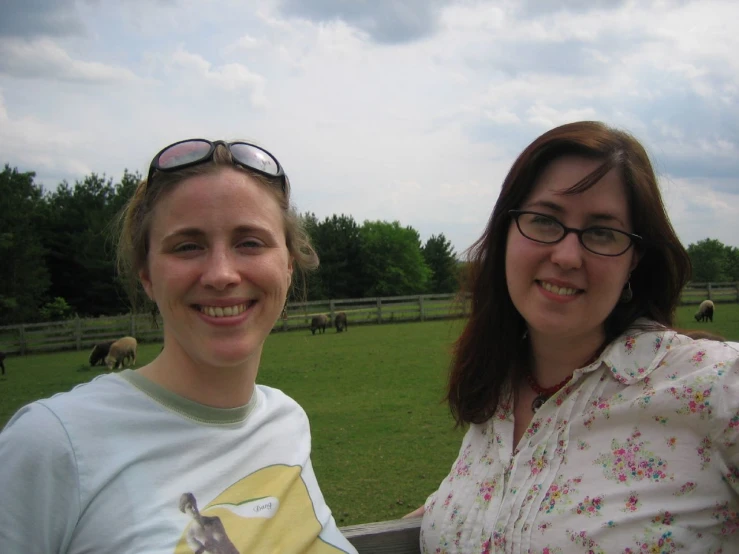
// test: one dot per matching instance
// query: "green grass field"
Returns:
(382, 441)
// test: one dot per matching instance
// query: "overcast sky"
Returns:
(383, 109)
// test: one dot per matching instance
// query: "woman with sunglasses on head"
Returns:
(593, 426)
(186, 454)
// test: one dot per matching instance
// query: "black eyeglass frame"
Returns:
(154, 166)
(633, 239)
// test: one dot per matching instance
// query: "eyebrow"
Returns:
(599, 217)
(195, 233)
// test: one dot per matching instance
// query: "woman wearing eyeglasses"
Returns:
(185, 454)
(593, 427)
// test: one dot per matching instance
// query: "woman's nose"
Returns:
(221, 271)
(567, 253)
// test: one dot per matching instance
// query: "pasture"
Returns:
(382, 440)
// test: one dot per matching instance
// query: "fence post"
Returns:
(420, 308)
(379, 310)
(284, 318)
(331, 309)
(736, 286)
(132, 326)
(709, 290)
(77, 332)
(22, 339)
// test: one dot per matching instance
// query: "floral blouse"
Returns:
(639, 453)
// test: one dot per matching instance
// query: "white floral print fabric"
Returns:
(638, 453)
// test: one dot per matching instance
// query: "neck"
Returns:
(554, 359)
(217, 387)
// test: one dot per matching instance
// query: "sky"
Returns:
(380, 109)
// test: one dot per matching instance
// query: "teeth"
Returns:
(228, 311)
(558, 290)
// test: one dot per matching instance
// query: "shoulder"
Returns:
(35, 434)
(646, 350)
(98, 394)
(701, 352)
(276, 401)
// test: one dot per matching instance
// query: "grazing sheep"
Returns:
(2, 361)
(99, 352)
(705, 311)
(341, 323)
(698, 334)
(318, 323)
(121, 351)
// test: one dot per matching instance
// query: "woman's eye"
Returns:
(251, 243)
(602, 235)
(187, 247)
(542, 221)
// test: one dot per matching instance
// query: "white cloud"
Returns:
(421, 130)
(245, 42)
(44, 59)
(229, 76)
(38, 146)
(548, 117)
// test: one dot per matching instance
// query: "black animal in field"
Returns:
(318, 323)
(340, 322)
(99, 352)
(2, 361)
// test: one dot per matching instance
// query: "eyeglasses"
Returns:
(190, 152)
(603, 241)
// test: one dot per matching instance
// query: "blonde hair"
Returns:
(135, 219)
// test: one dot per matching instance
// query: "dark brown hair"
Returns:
(490, 349)
(135, 221)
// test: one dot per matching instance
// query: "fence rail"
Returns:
(82, 334)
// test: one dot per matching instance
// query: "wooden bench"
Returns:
(400, 536)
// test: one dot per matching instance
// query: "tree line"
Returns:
(57, 249)
(58, 252)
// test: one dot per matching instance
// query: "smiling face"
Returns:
(562, 290)
(218, 268)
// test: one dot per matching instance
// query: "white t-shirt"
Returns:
(122, 465)
(639, 453)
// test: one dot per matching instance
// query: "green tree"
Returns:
(55, 310)
(24, 278)
(79, 237)
(732, 263)
(336, 240)
(392, 262)
(710, 261)
(439, 255)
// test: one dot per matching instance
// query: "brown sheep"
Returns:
(341, 323)
(318, 323)
(121, 351)
(705, 311)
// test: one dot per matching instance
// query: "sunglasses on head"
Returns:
(190, 152)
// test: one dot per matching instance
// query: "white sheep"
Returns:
(705, 311)
(120, 351)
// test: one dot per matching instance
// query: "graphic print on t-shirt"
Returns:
(267, 511)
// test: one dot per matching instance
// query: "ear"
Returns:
(635, 258)
(289, 272)
(146, 283)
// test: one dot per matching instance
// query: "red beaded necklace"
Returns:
(543, 394)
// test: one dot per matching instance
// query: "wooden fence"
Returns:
(386, 537)
(82, 334)
(695, 293)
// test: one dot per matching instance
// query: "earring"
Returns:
(626, 294)
(283, 315)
